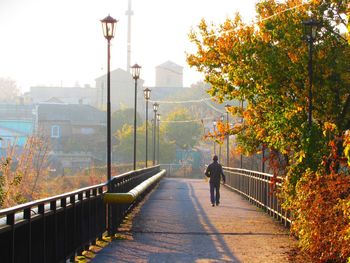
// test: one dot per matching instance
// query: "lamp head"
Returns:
(155, 106)
(312, 25)
(147, 93)
(108, 27)
(136, 71)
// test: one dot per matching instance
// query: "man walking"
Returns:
(214, 171)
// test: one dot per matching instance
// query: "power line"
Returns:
(185, 121)
(179, 102)
(205, 100)
(211, 106)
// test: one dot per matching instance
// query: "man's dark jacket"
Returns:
(214, 171)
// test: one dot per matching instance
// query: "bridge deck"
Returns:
(178, 224)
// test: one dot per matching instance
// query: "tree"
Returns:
(184, 134)
(23, 174)
(125, 142)
(8, 90)
(265, 64)
(124, 116)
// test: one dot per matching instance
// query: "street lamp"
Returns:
(242, 107)
(155, 109)
(135, 75)
(227, 108)
(147, 95)
(108, 27)
(311, 27)
(158, 121)
(222, 121)
(214, 125)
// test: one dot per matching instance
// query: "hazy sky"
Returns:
(60, 42)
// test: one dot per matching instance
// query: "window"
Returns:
(55, 131)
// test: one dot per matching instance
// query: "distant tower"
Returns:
(129, 13)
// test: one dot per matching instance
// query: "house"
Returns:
(76, 133)
(16, 124)
(61, 121)
(70, 95)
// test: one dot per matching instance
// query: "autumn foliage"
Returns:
(265, 64)
(23, 174)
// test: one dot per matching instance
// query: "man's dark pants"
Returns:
(215, 187)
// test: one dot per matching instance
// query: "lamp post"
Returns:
(135, 75)
(214, 125)
(147, 95)
(242, 107)
(311, 25)
(108, 27)
(227, 108)
(222, 120)
(155, 109)
(158, 121)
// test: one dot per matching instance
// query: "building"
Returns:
(76, 133)
(61, 121)
(122, 90)
(16, 124)
(70, 95)
(169, 75)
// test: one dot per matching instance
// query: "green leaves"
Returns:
(266, 64)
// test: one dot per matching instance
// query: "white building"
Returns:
(122, 90)
(169, 75)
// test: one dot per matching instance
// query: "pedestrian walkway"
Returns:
(178, 224)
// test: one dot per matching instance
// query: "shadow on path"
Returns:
(172, 226)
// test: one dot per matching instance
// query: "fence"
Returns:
(56, 229)
(177, 170)
(257, 188)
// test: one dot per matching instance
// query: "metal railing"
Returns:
(58, 228)
(257, 188)
(177, 170)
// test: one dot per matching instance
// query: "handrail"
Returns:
(256, 187)
(133, 194)
(60, 227)
(48, 199)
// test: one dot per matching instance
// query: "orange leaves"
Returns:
(293, 57)
(320, 216)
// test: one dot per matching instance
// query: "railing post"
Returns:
(27, 217)
(41, 211)
(10, 220)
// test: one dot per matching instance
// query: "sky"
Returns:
(60, 42)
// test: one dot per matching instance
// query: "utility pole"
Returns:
(129, 13)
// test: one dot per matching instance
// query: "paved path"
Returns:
(178, 224)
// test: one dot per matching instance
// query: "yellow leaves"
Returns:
(346, 145)
(301, 156)
(329, 127)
